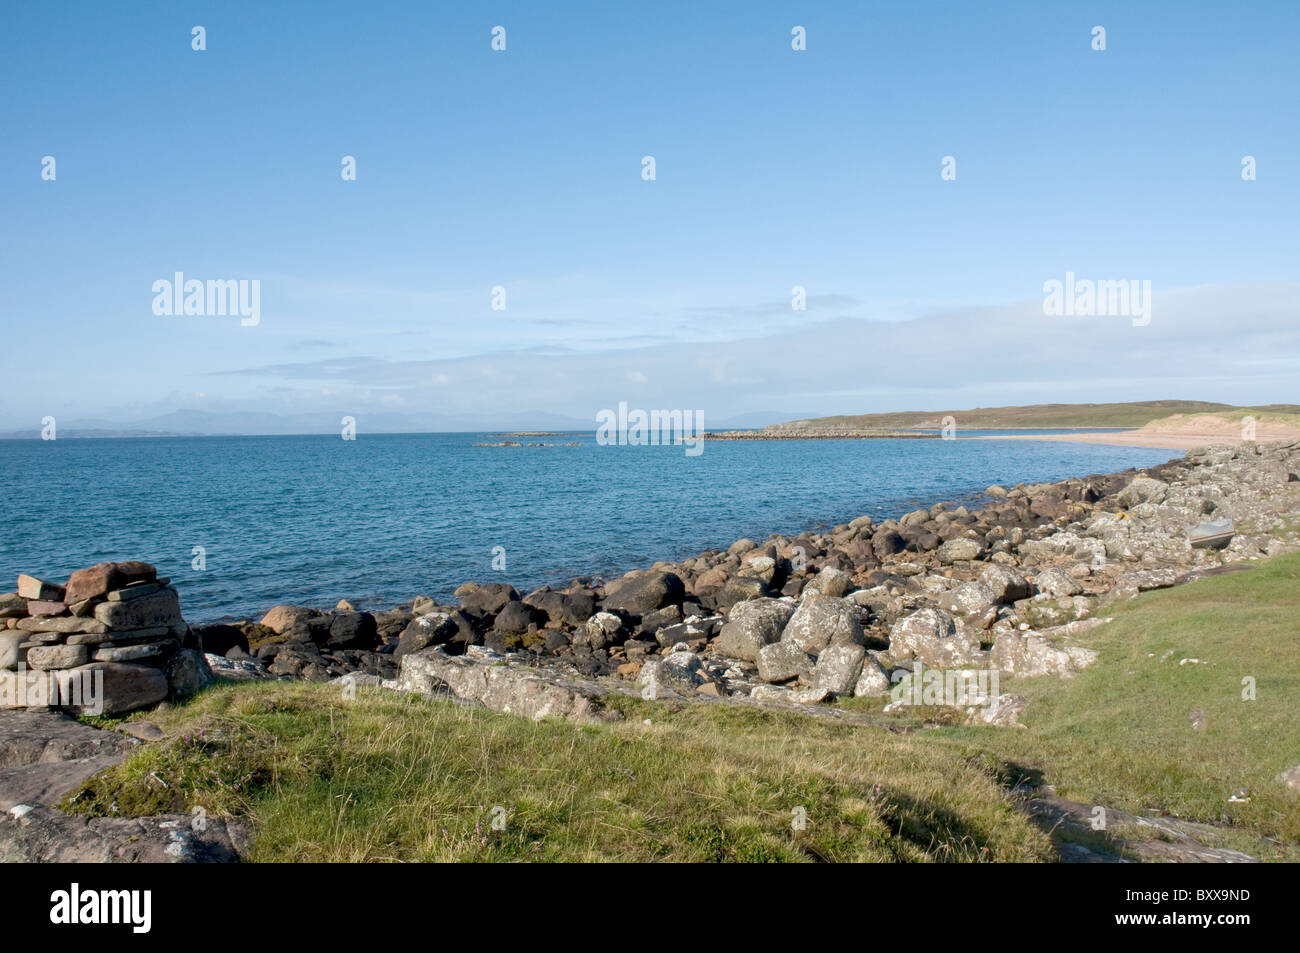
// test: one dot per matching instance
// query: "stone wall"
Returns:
(108, 641)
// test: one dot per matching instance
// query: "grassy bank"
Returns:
(1122, 733)
(394, 777)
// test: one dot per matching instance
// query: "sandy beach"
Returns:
(1171, 434)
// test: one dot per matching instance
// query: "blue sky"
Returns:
(775, 168)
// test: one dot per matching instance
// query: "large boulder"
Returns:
(971, 598)
(930, 636)
(873, 681)
(643, 594)
(739, 589)
(432, 628)
(485, 601)
(838, 668)
(822, 621)
(782, 662)
(1142, 489)
(126, 686)
(187, 672)
(678, 673)
(516, 617)
(1028, 655)
(831, 582)
(886, 542)
(500, 686)
(352, 630)
(280, 619)
(752, 625)
(1057, 583)
(564, 608)
(1007, 584)
(961, 549)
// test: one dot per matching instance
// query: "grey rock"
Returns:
(161, 608)
(1006, 584)
(752, 625)
(46, 657)
(783, 661)
(1057, 583)
(821, 621)
(838, 668)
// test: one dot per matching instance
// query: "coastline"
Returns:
(1183, 439)
(1053, 553)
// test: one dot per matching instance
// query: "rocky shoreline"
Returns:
(801, 620)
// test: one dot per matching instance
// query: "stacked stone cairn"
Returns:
(108, 641)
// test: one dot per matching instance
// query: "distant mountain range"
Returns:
(1034, 416)
(188, 423)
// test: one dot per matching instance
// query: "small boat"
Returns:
(1212, 535)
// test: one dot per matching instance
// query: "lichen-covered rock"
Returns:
(783, 661)
(930, 636)
(961, 549)
(970, 598)
(1142, 489)
(484, 678)
(822, 621)
(751, 625)
(830, 582)
(873, 680)
(1004, 711)
(838, 668)
(678, 673)
(1006, 584)
(1041, 612)
(1056, 583)
(1029, 655)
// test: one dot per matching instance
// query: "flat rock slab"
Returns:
(44, 835)
(29, 737)
(47, 783)
(46, 755)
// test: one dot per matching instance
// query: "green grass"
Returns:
(1119, 733)
(394, 777)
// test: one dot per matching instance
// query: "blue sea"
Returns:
(380, 519)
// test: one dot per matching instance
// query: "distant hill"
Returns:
(1035, 416)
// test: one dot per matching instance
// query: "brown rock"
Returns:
(42, 607)
(283, 618)
(29, 587)
(125, 687)
(101, 578)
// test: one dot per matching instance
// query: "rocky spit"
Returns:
(817, 433)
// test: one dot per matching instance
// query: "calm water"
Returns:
(385, 517)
